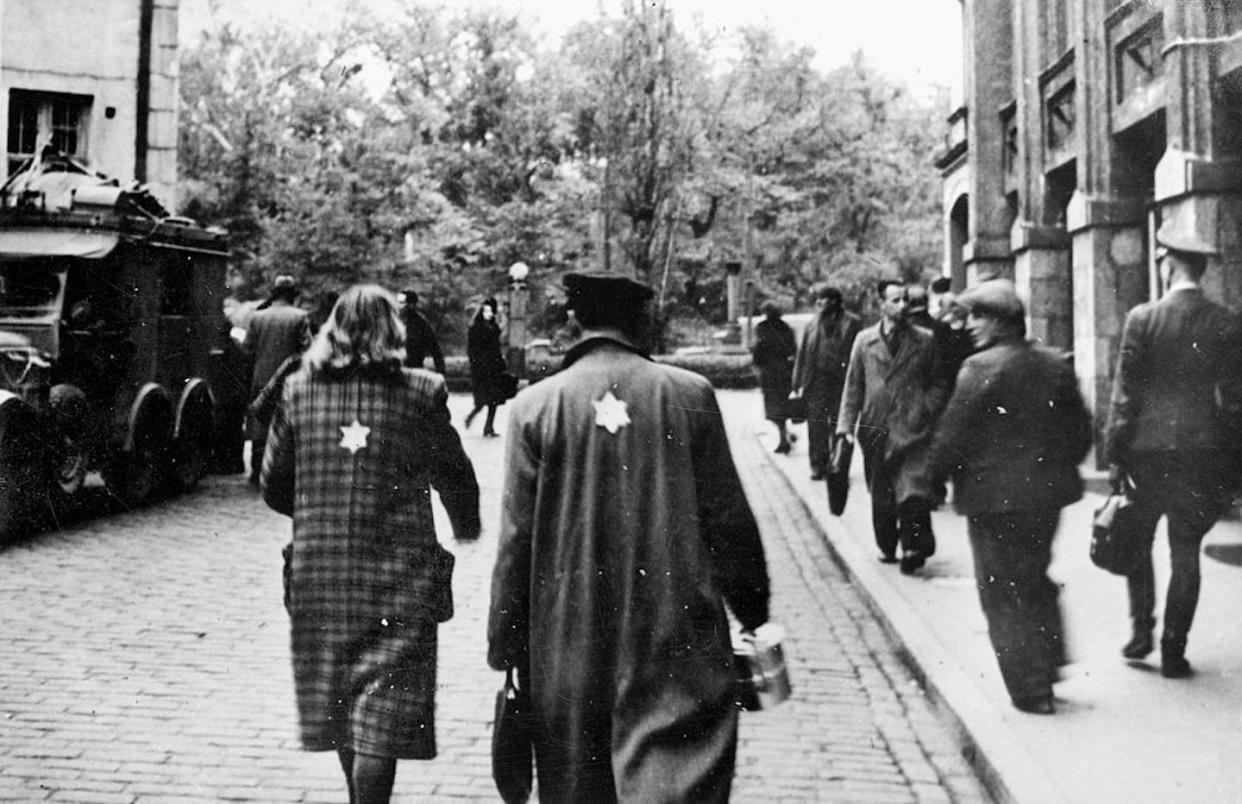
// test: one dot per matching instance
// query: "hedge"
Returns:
(723, 369)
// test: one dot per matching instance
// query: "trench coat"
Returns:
(819, 373)
(489, 380)
(773, 354)
(624, 531)
(352, 456)
(273, 334)
(895, 401)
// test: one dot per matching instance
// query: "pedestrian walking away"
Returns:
(491, 383)
(624, 532)
(277, 330)
(420, 338)
(1011, 437)
(1173, 431)
(356, 445)
(773, 354)
(819, 372)
(894, 392)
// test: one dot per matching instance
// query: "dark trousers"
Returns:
(1012, 551)
(1192, 489)
(820, 424)
(908, 523)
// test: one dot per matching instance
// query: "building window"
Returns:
(40, 117)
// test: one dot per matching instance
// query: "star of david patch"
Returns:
(354, 437)
(610, 413)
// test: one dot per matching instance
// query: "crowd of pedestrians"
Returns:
(947, 387)
(626, 543)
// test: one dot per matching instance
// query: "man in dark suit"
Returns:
(1012, 437)
(420, 339)
(819, 372)
(894, 392)
(276, 331)
(1170, 432)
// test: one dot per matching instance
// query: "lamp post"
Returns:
(519, 302)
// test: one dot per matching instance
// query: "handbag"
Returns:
(796, 409)
(513, 747)
(442, 584)
(1117, 541)
(838, 480)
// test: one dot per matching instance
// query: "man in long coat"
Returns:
(894, 392)
(1172, 430)
(819, 372)
(1012, 437)
(624, 532)
(276, 331)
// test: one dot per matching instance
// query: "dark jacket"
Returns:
(895, 400)
(624, 531)
(1013, 433)
(819, 368)
(421, 341)
(489, 378)
(273, 334)
(773, 355)
(1177, 378)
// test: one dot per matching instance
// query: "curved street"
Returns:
(147, 661)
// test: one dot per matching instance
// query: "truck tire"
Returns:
(133, 473)
(24, 467)
(190, 448)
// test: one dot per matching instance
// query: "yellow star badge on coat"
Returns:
(354, 437)
(610, 413)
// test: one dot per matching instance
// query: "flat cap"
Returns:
(1175, 238)
(994, 297)
(603, 286)
(284, 282)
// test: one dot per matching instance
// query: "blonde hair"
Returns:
(364, 328)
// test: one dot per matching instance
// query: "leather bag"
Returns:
(1117, 541)
(513, 747)
(838, 480)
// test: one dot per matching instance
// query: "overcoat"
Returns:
(773, 354)
(895, 401)
(352, 456)
(624, 530)
(1013, 433)
(819, 368)
(488, 377)
(273, 334)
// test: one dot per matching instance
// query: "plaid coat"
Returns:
(350, 457)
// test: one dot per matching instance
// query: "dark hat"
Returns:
(941, 284)
(604, 286)
(284, 282)
(995, 297)
(1176, 239)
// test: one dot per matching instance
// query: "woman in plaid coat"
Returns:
(354, 447)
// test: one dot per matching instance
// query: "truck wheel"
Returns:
(190, 449)
(69, 458)
(24, 467)
(187, 463)
(133, 475)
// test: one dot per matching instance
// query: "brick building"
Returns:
(98, 80)
(1086, 124)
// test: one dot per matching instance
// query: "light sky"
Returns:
(916, 41)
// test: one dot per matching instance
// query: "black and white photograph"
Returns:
(620, 401)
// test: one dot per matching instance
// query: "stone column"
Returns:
(988, 43)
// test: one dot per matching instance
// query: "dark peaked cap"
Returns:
(602, 288)
(994, 297)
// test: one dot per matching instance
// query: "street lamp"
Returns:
(519, 299)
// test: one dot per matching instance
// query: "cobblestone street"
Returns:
(147, 661)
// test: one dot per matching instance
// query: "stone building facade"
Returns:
(1086, 124)
(97, 79)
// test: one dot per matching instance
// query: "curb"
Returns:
(1005, 768)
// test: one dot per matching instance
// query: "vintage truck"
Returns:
(111, 328)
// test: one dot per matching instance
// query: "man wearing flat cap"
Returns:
(624, 533)
(1171, 434)
(1011, 437)
(278, 330)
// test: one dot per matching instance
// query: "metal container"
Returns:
(763, 678)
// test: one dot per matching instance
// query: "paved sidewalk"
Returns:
(1122, 732)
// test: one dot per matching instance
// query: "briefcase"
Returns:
(838, 480)
(1117, 539)
(513, 749)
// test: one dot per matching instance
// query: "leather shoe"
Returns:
(912, 562)
(888, 558)
(1035, 705)
(783, 449)
(817, 474)
(1174, 666)
(1139, 645)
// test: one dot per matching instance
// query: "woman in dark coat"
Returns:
(355, 446)
(773, 351)
(490, 381)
